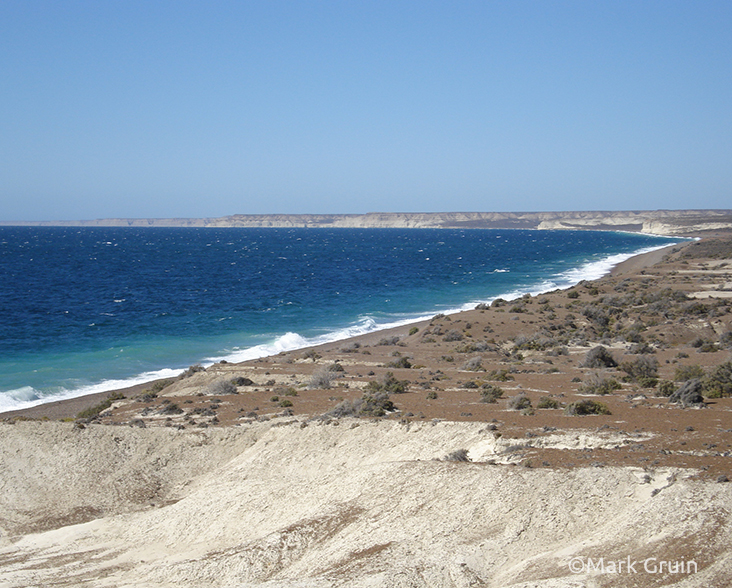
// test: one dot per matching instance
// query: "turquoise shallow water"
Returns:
(85, 310)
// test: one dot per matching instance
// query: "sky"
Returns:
(159, 109)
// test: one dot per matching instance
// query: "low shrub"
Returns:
(520, 402)
(370, 404)
(726, 340)
(432, 395)
(311, 354)
(490, 394)
(350, 348)
(499, 376)
(688, 372)
(718, 383)
(221, 386)
(241, 381)
(170, 408)
(402, 363)
(535, 342)
(388, 384)
(473, 347)
(285, 391)
(647, 382)
(194, 369)
(94, 411)
(321, 379)
(474, 364)
(666, 388)
(159, 386)
(453, 335)
(599, 384)
(643, 366)
(547, 402)
(586, 407)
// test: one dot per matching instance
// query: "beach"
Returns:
(405, 456)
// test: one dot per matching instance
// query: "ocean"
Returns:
(84, 310)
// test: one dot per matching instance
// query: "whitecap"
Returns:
(27, 397)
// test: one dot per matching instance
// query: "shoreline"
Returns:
(431, 444)
(68, 408)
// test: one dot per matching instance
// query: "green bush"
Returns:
(432, 395)
(413, 331)
(286, 391)
(388, 384)
(586, 407)
(647, 382)
(688, 372)
(547, 402)
(535, 342)
(94, 411)
(718, 383)
(159, 386)
(499, 376)
(374, 404)
(666, 388)
(490, 394)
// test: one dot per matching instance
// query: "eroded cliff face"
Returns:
(659, 222)
(339, 503)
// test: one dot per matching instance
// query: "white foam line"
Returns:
(28, 397)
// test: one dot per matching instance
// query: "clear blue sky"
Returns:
(199, 109)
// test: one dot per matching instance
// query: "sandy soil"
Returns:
(266, 482)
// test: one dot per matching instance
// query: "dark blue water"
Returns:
(88, 309)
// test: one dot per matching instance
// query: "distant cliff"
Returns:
(660, 222)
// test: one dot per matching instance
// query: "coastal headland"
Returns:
(517, 444)
(657, 222)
